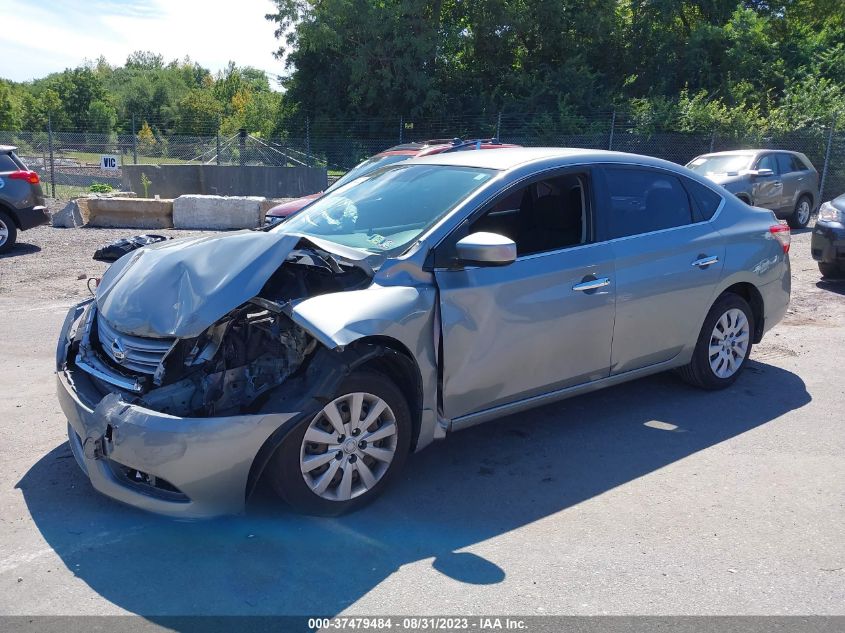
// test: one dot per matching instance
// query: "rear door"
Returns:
(668, 260)
(791, 177)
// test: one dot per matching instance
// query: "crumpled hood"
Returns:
(180, 287)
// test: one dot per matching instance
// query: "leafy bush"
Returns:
(100, 187)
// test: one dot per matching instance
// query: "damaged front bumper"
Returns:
(177, 466)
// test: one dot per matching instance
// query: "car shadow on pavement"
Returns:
(832, 285)
(478, 484)
(21, 248)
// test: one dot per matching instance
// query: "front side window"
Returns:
(546, 215)
(643, 200)
(769, 162)
(387, 210)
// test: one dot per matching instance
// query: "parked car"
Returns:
(433, 295)
(21, 199)
(395, 154)
(785, 182)
(828, 241)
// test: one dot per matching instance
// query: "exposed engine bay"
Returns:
(234, 363)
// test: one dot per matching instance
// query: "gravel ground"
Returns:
(648, 498)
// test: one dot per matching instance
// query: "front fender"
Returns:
(403, 313)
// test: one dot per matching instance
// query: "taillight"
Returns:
(782, 234)
(30, 176)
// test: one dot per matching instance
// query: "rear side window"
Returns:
(7, 164)
(643, 200)
(705, 199)
(798, 164)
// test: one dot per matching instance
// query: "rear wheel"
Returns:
(832, 271)
(801, 216)
(8, 232)
(343, 457)
(723, 345)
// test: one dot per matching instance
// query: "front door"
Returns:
(542, 323)
(768, 190)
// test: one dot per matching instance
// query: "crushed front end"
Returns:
(174, 424)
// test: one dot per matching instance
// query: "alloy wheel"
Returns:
(348, 446)
(803, 212)
(729, 343)
(4, 232)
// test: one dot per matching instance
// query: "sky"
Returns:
(38, 37)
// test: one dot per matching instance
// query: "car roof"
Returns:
(512, 157)
(746, 152)
(7, 148)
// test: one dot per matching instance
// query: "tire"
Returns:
(832, 271)
(300, 490)
(8, 232)
(701, 371)
(800, 218)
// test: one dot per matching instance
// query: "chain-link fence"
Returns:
(70, 163)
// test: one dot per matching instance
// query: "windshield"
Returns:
(368, 166)
(724, 164)
(387, 210)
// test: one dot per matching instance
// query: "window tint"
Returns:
(797, 164)
(785, 163)
(7, 164)
(544, 216)
(768, 162)
(641, 201)
(705, 199)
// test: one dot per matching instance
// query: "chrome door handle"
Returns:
(593, 284)
(704, 262)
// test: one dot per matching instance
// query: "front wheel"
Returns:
(801, 216)
(342, 457)
(723, 345)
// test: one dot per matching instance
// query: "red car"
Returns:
(395, 154)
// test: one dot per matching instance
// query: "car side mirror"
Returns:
(486, 249)
(762, 173)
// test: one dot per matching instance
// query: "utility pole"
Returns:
(52, 159)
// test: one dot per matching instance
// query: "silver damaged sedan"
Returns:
(421, 299)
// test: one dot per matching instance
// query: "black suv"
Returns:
(21, 198)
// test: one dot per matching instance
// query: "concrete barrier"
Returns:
(134, 213)
(218, 212)
(172, 181)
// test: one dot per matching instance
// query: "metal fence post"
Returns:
(401, 129)
(712, 140)
(52, 160)
(134, 143)
(827, 158)
(241, 146)
(612, 126)
(499, 125)
(308, 140)
(218, 140)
